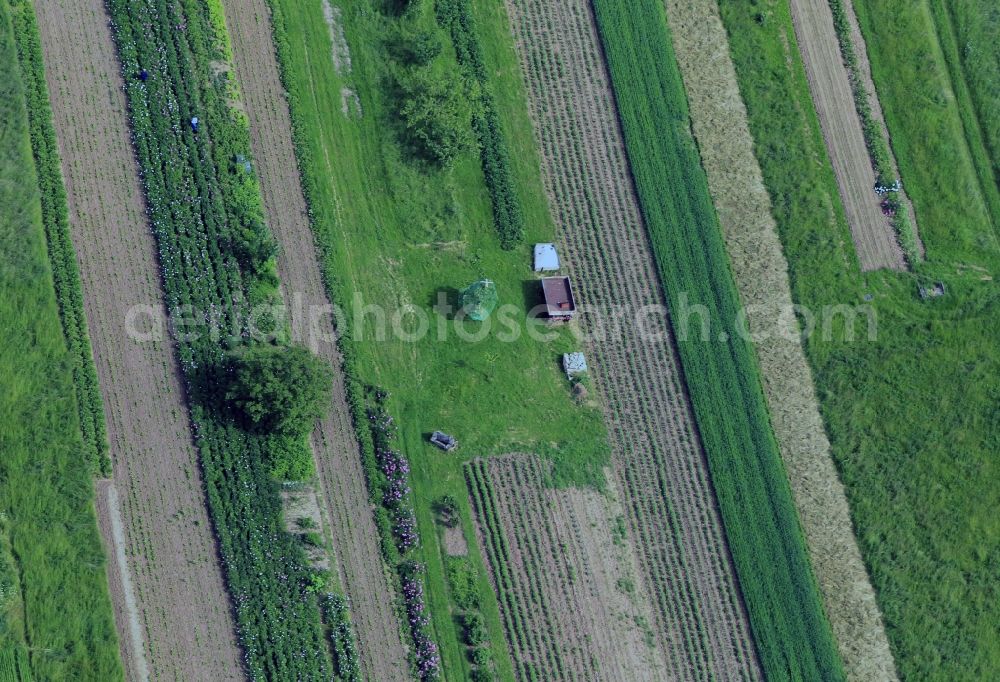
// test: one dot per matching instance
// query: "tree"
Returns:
(417, 47)
(436, 117)
(278, 390)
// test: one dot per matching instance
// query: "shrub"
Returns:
(289, 457)
(474, 628)
(462, 581)
(483, 658)
(447, 510)
(435, 117)
(417, 47)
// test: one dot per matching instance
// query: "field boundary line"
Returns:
(107, 497)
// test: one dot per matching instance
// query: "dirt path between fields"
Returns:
(109, 519)
(359, 563)
(722, 129)
(184, 610)
(874, 237)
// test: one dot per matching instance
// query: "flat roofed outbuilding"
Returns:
(559, 300)
(546, 258)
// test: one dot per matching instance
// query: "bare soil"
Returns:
(874, 237)
(721, 127)
(170, 551)
(454, 542)
(359, 565)
(671, 512)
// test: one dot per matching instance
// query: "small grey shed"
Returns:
(574, 363)
(546, 258)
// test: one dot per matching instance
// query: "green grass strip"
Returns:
(790, 629)
(55, 218)
(53, 584)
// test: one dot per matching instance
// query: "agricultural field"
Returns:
(658, 456)
(846, 135)
(720, 125)
(168, 542)
(911, 413)
(259, 254)
(56, 619)
(572, 607)
(790, 628)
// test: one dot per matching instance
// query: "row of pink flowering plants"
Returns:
(389, 477)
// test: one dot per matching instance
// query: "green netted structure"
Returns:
(479, 300)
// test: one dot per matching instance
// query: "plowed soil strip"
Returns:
(338, 459)
(185, 613)
(663, 475)
(760, 269)
(874, 237)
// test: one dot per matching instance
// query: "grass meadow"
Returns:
(398, 233)
(912, 416)
(54, 560)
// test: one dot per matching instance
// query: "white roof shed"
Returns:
(546, 258)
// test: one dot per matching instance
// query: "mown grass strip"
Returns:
(53, 585)
(790, 630)
(969, 35)
(55, 218)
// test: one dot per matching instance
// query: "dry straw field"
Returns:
(761, 272)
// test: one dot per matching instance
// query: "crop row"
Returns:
(14, 665)
(55, 218)
(216, 256)
(528, 650)
(389, 483)
(336, 616)
(455, 16)
(787, 620)
(875, 140)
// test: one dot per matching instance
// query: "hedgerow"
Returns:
(55, 218)
(790, 630)
(455, 17)
(217, 258)
(390, 484)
